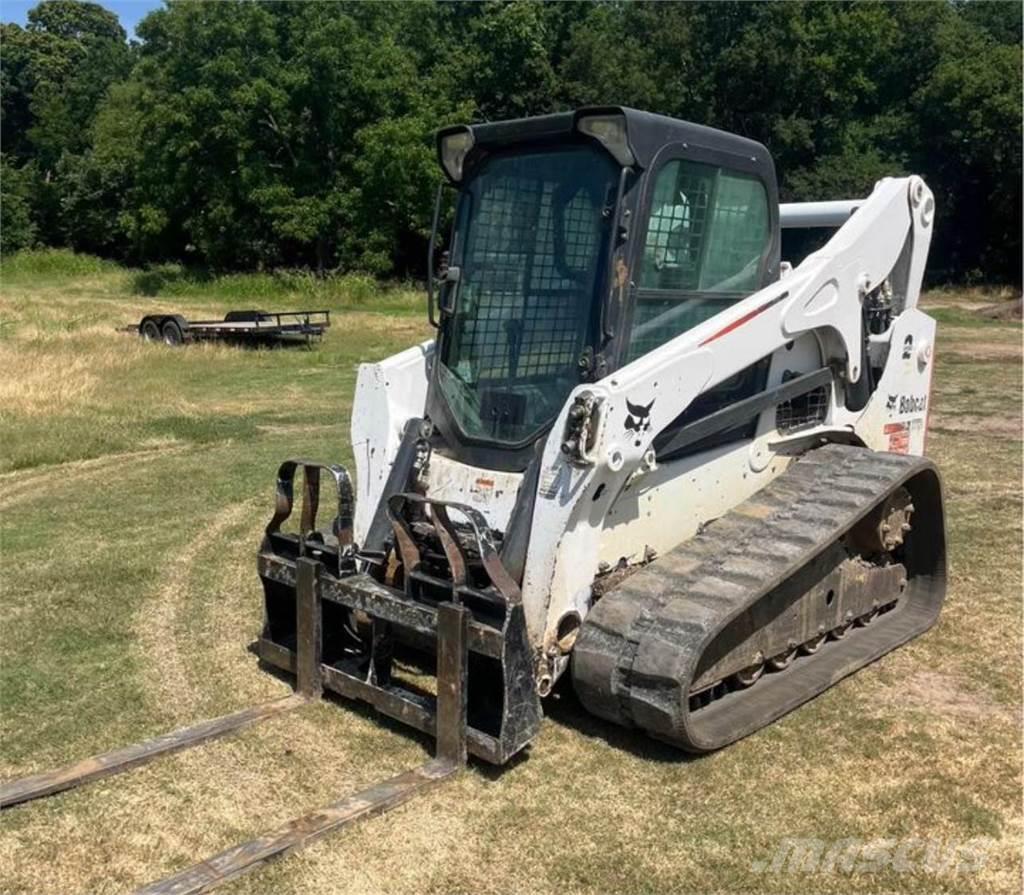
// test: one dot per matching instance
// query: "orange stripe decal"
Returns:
(746, 318)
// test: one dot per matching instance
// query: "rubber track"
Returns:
(640, 646)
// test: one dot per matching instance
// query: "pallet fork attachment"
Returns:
(302, 831)
(369, 615)
(124, 759)
(450, 757)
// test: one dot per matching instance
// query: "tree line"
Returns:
(251, 135)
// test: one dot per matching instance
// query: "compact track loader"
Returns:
(642, 453)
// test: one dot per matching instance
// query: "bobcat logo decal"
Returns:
(638, 419)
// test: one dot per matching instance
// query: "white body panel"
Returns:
(666, 506)
(491, 492)
(388, 394)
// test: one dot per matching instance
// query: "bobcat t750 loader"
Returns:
(642, 452)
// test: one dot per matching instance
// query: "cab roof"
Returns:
(646, 132)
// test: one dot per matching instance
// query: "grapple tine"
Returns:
(453, 550)
(343, 520)
(310, 498)
(405, 543)
(341, 526)
(283, 495)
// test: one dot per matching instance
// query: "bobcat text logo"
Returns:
(638, 419)
(912, 404)
(900, 404)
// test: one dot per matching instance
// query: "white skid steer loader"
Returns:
(642, 452)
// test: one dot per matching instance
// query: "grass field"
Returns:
(135, 481)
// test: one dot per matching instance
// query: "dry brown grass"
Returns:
(38, 383)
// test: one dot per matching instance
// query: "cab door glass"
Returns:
(530, 239)
(707, 235)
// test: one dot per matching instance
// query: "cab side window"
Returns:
(706, 238)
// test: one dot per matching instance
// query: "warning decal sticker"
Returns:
(899, 437)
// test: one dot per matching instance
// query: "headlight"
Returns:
(610, 131)
(454, 149)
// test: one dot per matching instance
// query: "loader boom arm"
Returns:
(888, 237)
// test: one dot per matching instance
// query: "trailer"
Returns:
(249, 327)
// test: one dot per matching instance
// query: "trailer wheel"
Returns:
(172, 333)
(150, 330)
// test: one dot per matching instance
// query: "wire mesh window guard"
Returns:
(529, 242)
(803, 411)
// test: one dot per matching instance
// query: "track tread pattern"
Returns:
(641, 641)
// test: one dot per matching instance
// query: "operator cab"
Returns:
(581, 241)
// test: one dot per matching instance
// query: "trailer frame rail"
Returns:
(241, 326)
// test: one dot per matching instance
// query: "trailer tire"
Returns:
(149, 329)
(172, 333)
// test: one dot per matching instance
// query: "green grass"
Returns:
(134, 485)
(35, 266)
(39, 267)
(966, 317)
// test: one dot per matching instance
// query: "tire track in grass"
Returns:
(21, 485)
(226, 626)
(166, 674)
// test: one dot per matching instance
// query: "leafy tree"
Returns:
(17, 228)
(258, 120)
(506, 63)
(59, 67)
(102, 208)
(54, 73)
(1000, 19)
(969, 119)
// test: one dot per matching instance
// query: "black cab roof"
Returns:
(647, 133)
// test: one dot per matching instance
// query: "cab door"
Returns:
(707, 240)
